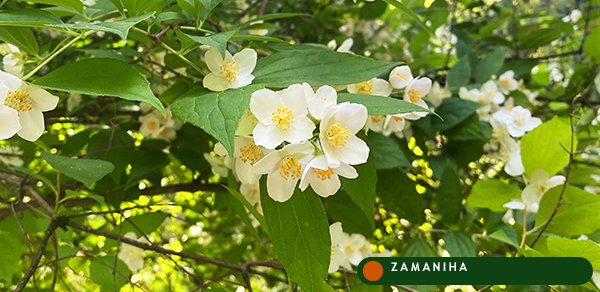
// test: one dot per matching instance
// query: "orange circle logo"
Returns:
(372, 271)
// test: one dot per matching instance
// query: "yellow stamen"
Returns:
(365, 87)
(414, 95)
(397, 118)
(19, 100)
(282, 117)
(376, 119)
(230, 70)
(251, 153)
(337, 135)
(289, 167)
(323, 174)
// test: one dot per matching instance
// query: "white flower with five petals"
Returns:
(246, 154)
(400, 77)
(131, 255)
(518, 120)
(507, 82)
(29, 102)
(229, 72)
(282, 116)
(284, 169)
(323, 179)
(415, 92)
(338, 134)
(533, 192)
(318, 102)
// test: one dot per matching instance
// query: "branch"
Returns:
(185, 187)
(196, 257)
(38, 255)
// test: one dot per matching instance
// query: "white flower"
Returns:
(251, 192)
(29, 102)
(338, 258)
(356, 248)
(9, 156)
(507, 82)
(596, 279)
(375, 86)
(231, 72)
(246, 155)
(438, 94)
(219, 160)
(573, 17)
(415, 92)
(532, 194)
(346, 46)
(318, 102)
(13, 59)
(284, 169)
(131, 255)
(510, 149)
(282, 116)
(491, 94)
(158, 126)
(258, 31)
(323, 179)
(338, 134)
(518, 120)
(376, 123)
(400, 77)
(89, 2)
(394, 124)
(150, 125)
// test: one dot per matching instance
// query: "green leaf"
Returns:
(143, 224)
(380, 105)
(452, 111)
(460, 74)
(578, 213)
(387, 152)
(542, 148)
(398, 194)
(76, 5)
(506, 235)
(217, 113)
(119, 27)
(22, 37)
(563, 247)
(459, 244)
(362, 190)
(299, 231)
(590, 47)
(449, 194)
(271, 16)
(101, 76)
(27, 17)
(410, 13)
(217, 40)
(492, 194)
(341, 208)
(102, 272)
(317, 67)
(10, 240)
(489, 65)
(137, 7)
(419, 248)
(87, 171)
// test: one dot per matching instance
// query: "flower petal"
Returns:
(42, 99)
(263, 103)
(215, 83)
(352, 116)
(11, 81)
(268, 136)
(9, 122)
(213, 60)
(242, 81)
(32, 125)
(246, 59)
(280, 189)
(301, 130)
(381, 87)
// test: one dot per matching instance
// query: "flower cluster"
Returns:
(348, 249)
(415, 90)
(155, 125)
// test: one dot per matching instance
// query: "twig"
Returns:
(38, 255)
(156, 37)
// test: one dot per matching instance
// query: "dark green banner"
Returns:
(475, 271)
